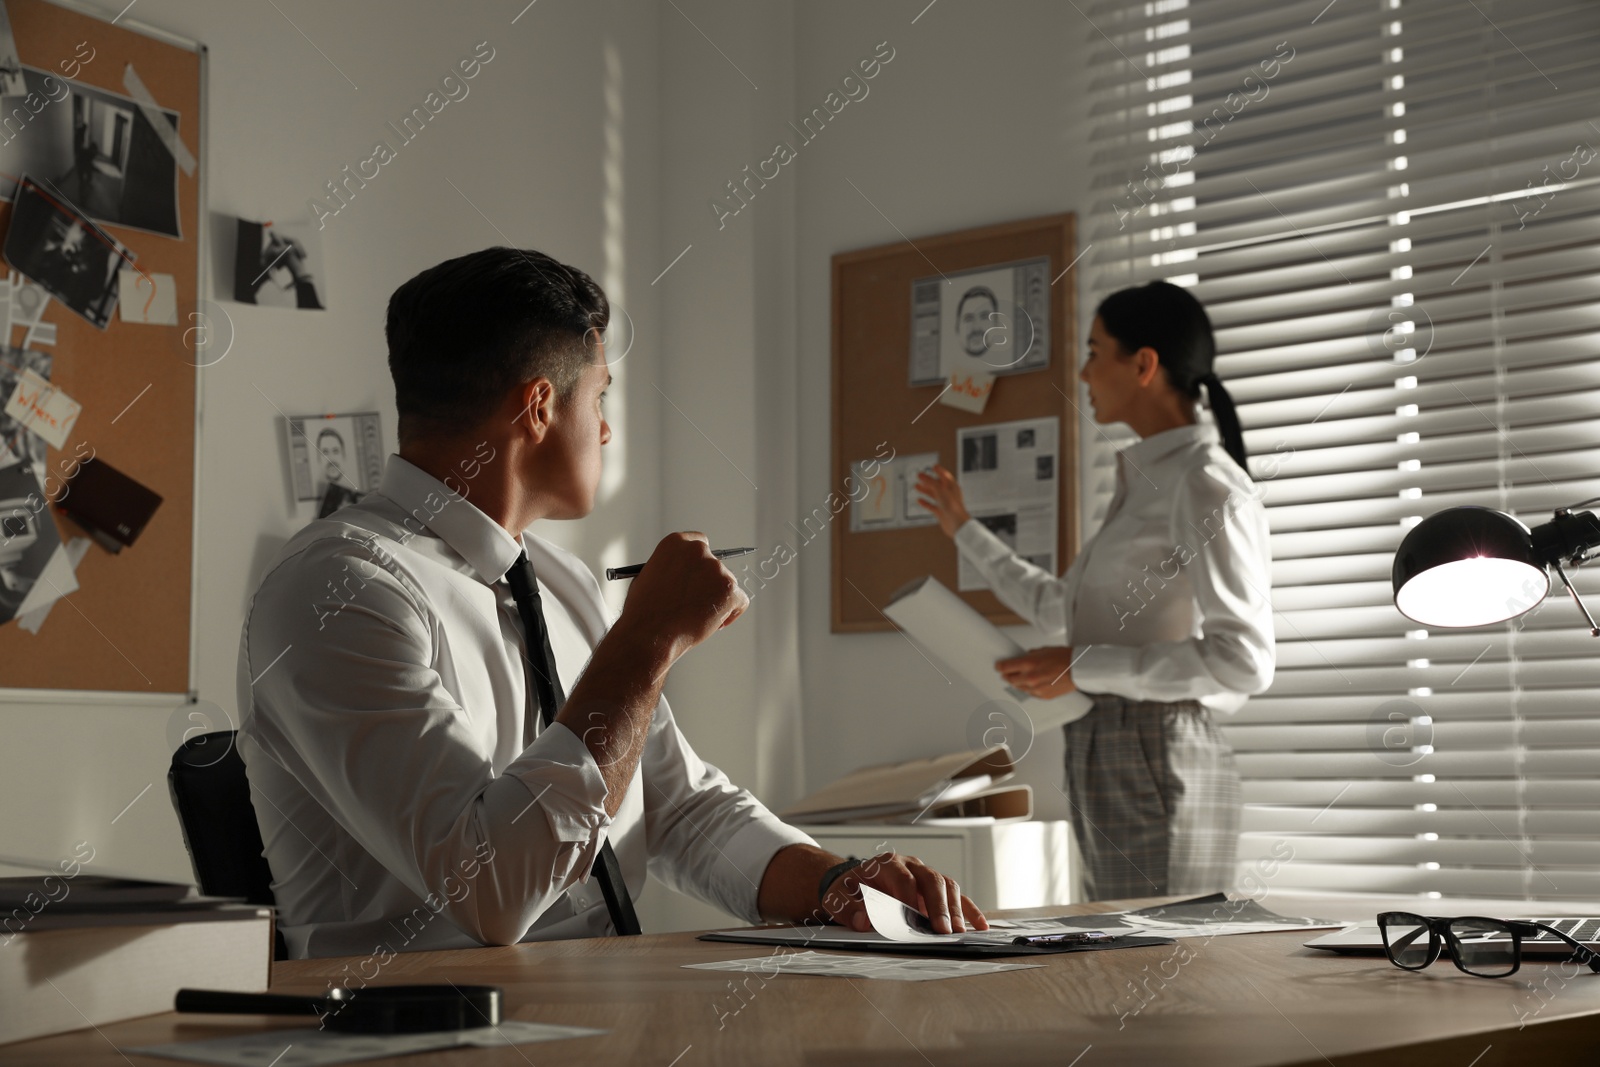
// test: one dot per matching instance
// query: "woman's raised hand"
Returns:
(941, 495)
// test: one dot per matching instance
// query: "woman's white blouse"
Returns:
(1171, 598)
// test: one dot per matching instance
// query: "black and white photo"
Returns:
(72, 258)
(28, 539)
(279, 265)
(335, 455)
(94, 149)
(17, 442)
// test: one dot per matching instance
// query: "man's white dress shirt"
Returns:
(408, 797)
(1170, 599)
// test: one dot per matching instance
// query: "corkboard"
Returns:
(128, 627)
(873, 402)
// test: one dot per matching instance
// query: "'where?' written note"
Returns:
(41, 407)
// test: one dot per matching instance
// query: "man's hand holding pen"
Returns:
(682, 594)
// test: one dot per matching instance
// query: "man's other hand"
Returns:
(909, 881)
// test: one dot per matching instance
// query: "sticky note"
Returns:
(147, 298)
(968, 391)
(41, 407)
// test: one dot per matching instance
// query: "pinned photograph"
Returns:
(28, 542)
(22, 304)
(332, 456)
(11, 83)
(279, 265)
(95, 149)
(70, 257)
(18, 443)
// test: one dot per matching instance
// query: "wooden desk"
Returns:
(1241, 1001)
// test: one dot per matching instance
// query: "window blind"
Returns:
(1391, 210)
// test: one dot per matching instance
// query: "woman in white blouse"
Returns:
(1164, 618)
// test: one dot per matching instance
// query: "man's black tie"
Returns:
(525, 590)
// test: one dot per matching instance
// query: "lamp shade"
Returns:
(1468, 566)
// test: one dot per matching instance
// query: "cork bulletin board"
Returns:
(90, 142)
(893, 306)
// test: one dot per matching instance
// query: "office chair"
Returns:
(212, 798)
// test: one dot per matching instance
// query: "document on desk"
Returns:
(1208, 916)
(900, 930)
(824, 963)
(954, 634)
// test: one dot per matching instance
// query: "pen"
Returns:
(1075, 937)
(632, 571)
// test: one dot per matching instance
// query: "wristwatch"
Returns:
(833, 873)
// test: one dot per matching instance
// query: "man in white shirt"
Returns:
(408, 793)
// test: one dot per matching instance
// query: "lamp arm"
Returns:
(1567, 536)
(1594, 631)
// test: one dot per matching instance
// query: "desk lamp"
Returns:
(1471, 566)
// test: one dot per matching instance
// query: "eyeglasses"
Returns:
(1486, 948)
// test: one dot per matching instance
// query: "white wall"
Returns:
(975, 121)
(599, 133)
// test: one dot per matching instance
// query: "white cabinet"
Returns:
(998, 865)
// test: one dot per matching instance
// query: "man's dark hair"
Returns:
(464, 333)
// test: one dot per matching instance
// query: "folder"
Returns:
(837, 938)
(957, 785)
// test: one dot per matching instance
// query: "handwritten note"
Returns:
(968, 391)
(41, 407)
(147, 298)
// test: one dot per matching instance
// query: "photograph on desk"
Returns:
(97, 149)
(72, 258)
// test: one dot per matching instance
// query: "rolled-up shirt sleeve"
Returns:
(1224, 528)
(1030, 591)
(351, 708)
(707, 837)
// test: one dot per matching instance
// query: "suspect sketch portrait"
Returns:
(990, 320)
(978, 319)
(95, 149)
(335, 458)
(69, 256)
(279, 265)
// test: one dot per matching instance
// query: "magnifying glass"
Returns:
(388, 1009)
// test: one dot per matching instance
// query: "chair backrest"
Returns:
(212, 798)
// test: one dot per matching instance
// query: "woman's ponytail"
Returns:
(1169, 319)
(1227, 419)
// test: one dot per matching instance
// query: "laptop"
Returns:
(1367, 938)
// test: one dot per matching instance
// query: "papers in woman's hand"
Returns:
(964, 642)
